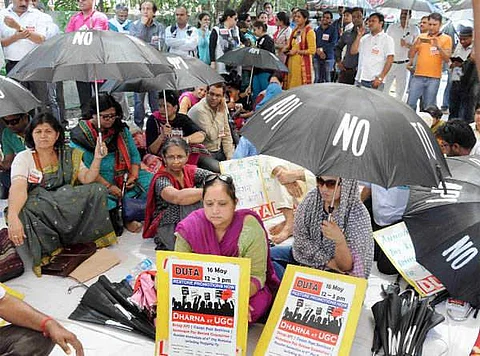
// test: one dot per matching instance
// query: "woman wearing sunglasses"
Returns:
(219, 229)
(122, 157)
(48, 206)
(332, 230)
(173, 193)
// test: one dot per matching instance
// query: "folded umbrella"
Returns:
(15, 98)
(90, 315)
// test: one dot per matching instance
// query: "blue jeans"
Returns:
(281, 257)
(369, 84)
(425, 87)
(139, 99)
(323, 69)
(446, 93)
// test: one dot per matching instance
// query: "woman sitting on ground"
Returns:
(173, 193)
(122, 157)
(178, 125)
(190, 98)
(343, 242)
(47, 208)
(218, 229)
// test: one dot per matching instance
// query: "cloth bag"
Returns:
(11, 264)
(133, 208)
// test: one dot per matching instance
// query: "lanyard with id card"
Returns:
(35, 175)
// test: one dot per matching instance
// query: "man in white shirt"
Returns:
(376, 51)
(22, 28)
(404, 34)
(24, 335)
(181, 38)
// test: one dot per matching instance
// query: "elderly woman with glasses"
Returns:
(332, 230)
(174, 193)
(219, 229)
(51, 202)
(122, 158)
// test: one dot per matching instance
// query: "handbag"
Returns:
(133, 208)
(11, 264)
(70, 258)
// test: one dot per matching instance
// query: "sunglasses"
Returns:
(13, 122)
(329, 183)
(225, 178)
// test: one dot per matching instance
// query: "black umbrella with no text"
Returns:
(350, 132)
(14, 98)
(445, 228)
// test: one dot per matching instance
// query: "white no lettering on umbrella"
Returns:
(90, 56)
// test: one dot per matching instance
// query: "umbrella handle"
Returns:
(98, 112)
(165, 103)
(250, 84)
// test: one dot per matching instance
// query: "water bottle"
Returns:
(145, 265)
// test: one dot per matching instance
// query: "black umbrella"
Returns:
(98, 297)
(189, 72)
(350, 132)
(14, 98)
(89, 56)
(445, 229)
(253, 57)
(90, 315)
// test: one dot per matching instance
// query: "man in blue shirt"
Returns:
(327, 37)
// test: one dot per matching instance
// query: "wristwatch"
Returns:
(380, 79)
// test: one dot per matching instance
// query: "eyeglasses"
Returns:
(225, 178)
(13, 122)
(175, 158)
(329, 183)
(109, 116)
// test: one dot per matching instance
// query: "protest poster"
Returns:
(315, 313)
(202, 304)
(397, 244)
(256, 187)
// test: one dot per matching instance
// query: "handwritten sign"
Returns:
(314, 313)
(202, 304)
(397, 244)
(257, 188)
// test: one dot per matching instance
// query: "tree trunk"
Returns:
(245, 6)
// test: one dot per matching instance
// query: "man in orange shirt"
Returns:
(432, 49)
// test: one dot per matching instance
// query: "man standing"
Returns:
(403, 34)
(86, 19)
(120, 22)
(181, 38)
(151, 31)
(348, 64)
(23, 28)
(432, 49)
(326, 36)
(376, 51)
(210, 114)
(461, 107)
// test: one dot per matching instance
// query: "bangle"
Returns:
(43, 325)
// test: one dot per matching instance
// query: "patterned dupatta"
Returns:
(86, 136)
